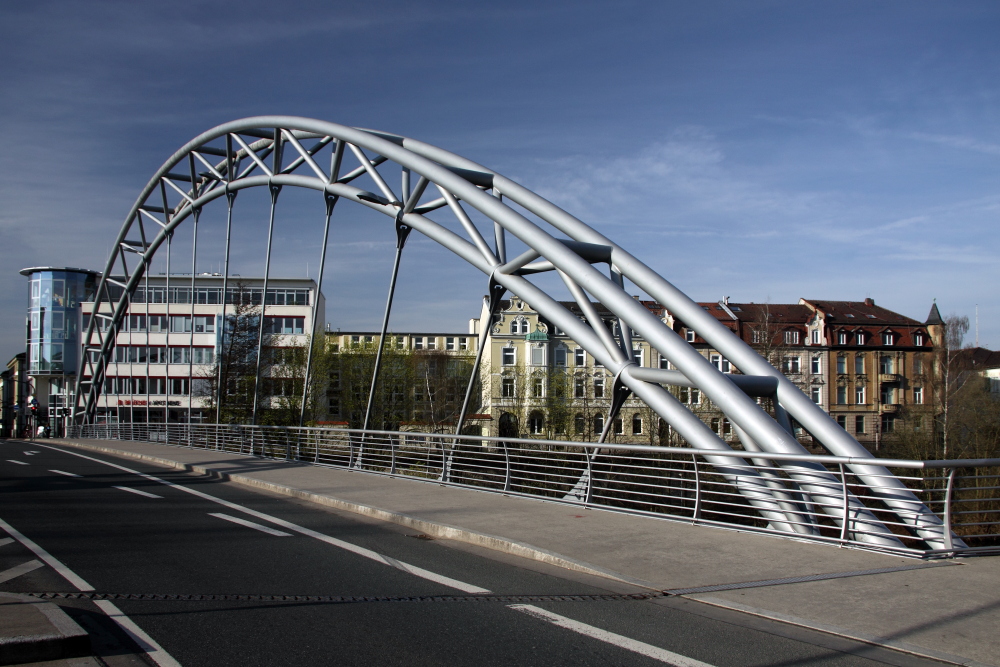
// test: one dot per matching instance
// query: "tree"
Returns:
(951, 374)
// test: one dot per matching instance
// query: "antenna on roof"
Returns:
(977, 325)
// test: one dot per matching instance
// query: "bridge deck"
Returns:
(933, 609)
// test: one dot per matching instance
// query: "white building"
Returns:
(168, 344)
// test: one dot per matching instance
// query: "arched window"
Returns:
(536, 422)
(598, 424)
(515, 327)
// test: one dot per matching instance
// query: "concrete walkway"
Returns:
(949, 610)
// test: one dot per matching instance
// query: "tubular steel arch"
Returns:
(283, 151)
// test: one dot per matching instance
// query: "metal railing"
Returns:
(750, 491)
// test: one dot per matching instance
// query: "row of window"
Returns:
(213, 295)
(886, 365)
(888, 395)
(888, 423)
(154, 386)
(158, 354)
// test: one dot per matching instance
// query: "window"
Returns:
(887, 395)
(598, 424)
(841, 363)
(791, 338)
(689, 335)
(918, 366)
(664, 363)
(449, 343)
(918, 423)
(859, 394)
(887, 338)
(860, 338)
(918, 395)
(157, 323)
(619, 426)
(537, 356)
(815, 364)
(284, 325)
(418, 342)
(204, 324)
(431, 343)
(599, 387)
(757, 336)
(842, 395)
(715, 424)
(463, 343)
(506, 355)
(507, 387)
(179, 386)
(690, 396)
(888, 423)
(536, 422)
(815, 336)
(721, 363)
(727, 428)
(157, 386)
(791, 365)
(859, 424)
(637, 355)
(537, 387)
(918, 339)
(560, 359)
(180, 355)
(580, 388)
(355, 340)
(203, 355)
(636, 424)
(157, 355)
(885, 365)
(816, 394)
(579, 424)
(180, 324)
(859, 364)
(579, 357)
(842, 338)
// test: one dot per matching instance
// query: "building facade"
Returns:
(164, 367)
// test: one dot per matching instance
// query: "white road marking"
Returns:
(347, 546)
(137, 491)
(63, 472)
(152, 649)
(250, 524)
(145, 642)
(48, 558)
(621, 641)
(5, 541)
(31, 453)
(18, 570)
(20, 463)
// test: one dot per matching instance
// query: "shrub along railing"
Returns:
(745, 490)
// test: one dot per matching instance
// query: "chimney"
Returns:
(869, 301)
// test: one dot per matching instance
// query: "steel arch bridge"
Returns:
(278, 152)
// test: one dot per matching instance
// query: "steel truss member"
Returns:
(282, 151)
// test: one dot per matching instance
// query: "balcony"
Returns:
(889, 377)
(890, 408)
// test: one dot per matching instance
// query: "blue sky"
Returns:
(761, 150)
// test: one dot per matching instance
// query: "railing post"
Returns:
(392, 455)
(847, 506)
(506, 455)
(696, 514)
(949, 490)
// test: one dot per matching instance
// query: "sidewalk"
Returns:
(946, 610)
(33, 631)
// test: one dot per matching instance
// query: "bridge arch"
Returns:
(277, 152)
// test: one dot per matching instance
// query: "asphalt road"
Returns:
(126, 527)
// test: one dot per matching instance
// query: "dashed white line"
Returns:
(20, 463)
(137, 491)
(621, 641)
(250, 524)
(5, 541)
(18, 570)
(63, 472)
(347, 546)
(31, 453)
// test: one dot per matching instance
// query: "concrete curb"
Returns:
(433, 528)
(56, 636)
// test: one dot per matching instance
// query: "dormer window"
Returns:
(842, 338)
(689, 335)
(791, 337)
(861, 338)
(918, 339)
(887, 338)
